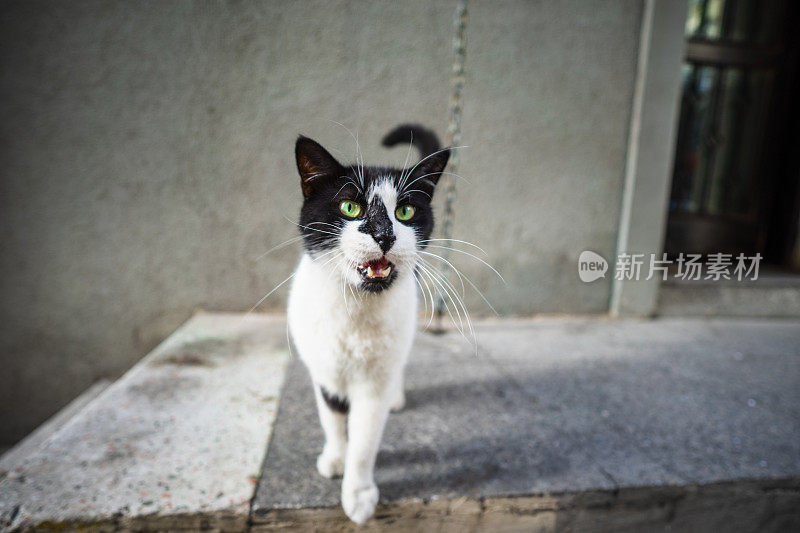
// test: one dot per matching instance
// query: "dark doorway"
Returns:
(737, 167)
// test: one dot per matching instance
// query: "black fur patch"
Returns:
(335, 403)
(377, 224)
(419, 136)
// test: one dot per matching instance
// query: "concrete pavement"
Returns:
(555, 424)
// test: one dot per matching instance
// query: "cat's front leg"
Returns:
(333, 419)
(368, 413)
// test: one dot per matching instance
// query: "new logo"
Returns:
(591, 266)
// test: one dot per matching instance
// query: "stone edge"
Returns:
(763, 503)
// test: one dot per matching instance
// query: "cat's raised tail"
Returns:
(422, 138)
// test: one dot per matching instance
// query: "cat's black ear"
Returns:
(429, 170)
(314, 164)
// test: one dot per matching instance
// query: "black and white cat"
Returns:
(353, 304)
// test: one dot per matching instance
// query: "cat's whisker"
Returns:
(408, 154)
(458, 303)
(325, 224)
(428, 157)
(332, 250)
(332, 271)
(328, 252)
(343, 263)
(330, 260)
(349, 265)
(310, 228)
(339, 152)
(340, 190)
(403, 185)
(457, 300)
(430, 293)
(359, 157)
(448, 173)
(461, 280)
(461, 302)
(343, 282)
(447, 283)
(424, 296)
(349, 180)
(482, 296)
(424, 299)
(433, 305)
(352, 293)
(440, 291)
(456, 240)
(355, 183)
(278, 286)
(470, 326)
(464, 277)
(288, 341)
(417, 190)
(344, 297)
(279, 246)
(453, 298)
(465, 253)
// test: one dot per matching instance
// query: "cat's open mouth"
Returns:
(377, 269)
(376, 275)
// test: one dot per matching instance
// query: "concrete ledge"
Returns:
(32, 443)
(175, 443)
(557, 424)
(772, 295)
(746, 506)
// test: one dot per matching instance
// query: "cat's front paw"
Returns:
(359, 504)
(330, 465)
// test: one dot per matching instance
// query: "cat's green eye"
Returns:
(404, 212)
(350, 209)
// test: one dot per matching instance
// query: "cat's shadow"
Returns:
(456, 436)
(442, 395)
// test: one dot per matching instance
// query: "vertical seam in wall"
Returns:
(631, 165)
(457, 84)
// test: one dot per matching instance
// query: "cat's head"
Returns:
(365, 223)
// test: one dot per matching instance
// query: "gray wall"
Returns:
(147, 159)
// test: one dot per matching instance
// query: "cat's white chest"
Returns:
(343, 335)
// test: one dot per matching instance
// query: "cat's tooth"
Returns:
(387, 271)
(370, 272)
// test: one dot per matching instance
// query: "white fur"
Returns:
(355, 344)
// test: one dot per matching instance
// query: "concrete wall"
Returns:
(147, 161)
